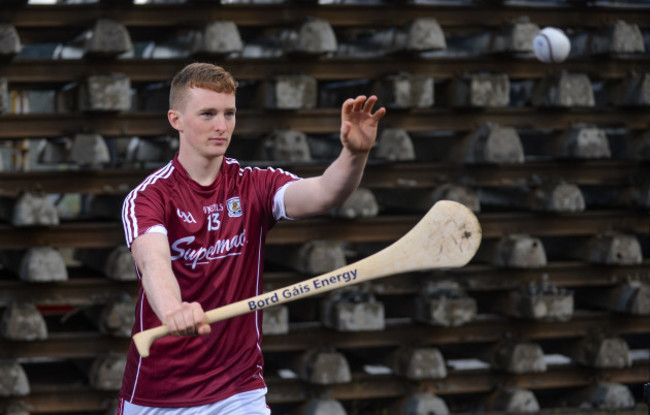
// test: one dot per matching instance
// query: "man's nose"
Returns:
(219, 123)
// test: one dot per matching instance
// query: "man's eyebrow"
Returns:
(213, 109)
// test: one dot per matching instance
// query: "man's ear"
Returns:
(175, 120)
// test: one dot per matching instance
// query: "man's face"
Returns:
(206, 123)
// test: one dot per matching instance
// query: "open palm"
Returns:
(359, 123)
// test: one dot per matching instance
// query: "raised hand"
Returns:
(359, 123)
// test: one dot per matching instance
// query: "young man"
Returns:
(196, 229)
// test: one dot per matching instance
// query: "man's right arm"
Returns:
(152, 257)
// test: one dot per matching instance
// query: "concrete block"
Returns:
(150, 149)
(120, 265)
(17, 408)
(360, 204)
(353, 309)
(584, 143)
(38, 101)
(286, 145)
(108, 37)
(318, 257)
(115, 318)
(218, 38)
(13, 379)
(106, 372)
(43, 264)
(37, 264)
(611, 249)
(618, 37)
(479, 91)
(394, 144)
(312, 37)
(9, 40)
(115, 263)
(517, 251)
(423, 404)
(515, 36)
(291, 92)
(404, 90)
(54, 151)
(419, 363)
(632, 91)
(631, 297)
(324, 406)
(456, 193)
(557, 197)
(489, 143)
(603, 352)
(420, 200)
(513, 400)
(324, 367)
(5, 102)
(563, 90)
(518, 357)
(541, 301)
(444, 304)
(424, 34)
(23, 322)
(34, 209)
(105, 93)
(608, 397)
(275, 320)
(89, 150)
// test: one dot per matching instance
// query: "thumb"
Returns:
(345, 129)
(204, 328)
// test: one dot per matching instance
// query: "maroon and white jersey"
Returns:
(216, 236)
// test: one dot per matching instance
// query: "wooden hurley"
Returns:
(448, 236)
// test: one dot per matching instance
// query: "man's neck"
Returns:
(202, 170)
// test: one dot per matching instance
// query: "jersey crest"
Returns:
(234, 207)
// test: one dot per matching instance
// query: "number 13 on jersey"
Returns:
(213, 221)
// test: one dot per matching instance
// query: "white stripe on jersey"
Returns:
(242, 170)
(128, 208)
(137, 374)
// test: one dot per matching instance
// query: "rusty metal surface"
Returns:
(323, 121)
(49, 71)
(377, 175)
(378, 229)
(486, 329)
(448, 16)
(93, 288)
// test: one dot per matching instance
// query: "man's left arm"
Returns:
(317, 195)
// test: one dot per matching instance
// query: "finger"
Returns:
(188, 319)
(358, 103)
(178, 325)
(347, 106)
(204, 328)
(379, 114)
(370, 103)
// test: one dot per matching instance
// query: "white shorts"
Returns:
(245, 403)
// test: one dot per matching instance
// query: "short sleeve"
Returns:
(142, 211)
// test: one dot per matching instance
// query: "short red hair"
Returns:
(200, 75)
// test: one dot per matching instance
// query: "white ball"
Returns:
(551, 45)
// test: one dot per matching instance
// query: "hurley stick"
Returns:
(446, 237)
